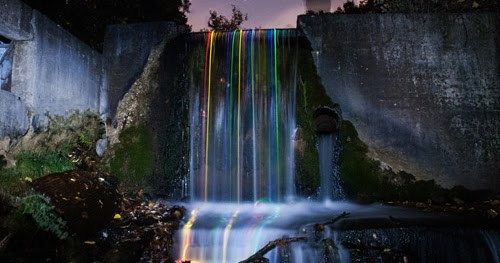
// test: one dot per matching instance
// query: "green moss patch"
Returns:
(133, 160)
(310, 96)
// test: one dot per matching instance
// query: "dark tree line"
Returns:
(87, 19)
(222, 23)
(417, 6)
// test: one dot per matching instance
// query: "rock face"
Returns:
(423, 90)
(126, 51)
(157, 100)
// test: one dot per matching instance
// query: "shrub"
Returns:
(39, 208)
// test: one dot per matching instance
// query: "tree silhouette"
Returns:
(221, 23)
(87, 19)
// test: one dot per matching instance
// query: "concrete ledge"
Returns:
(14, 118)
(15, 17)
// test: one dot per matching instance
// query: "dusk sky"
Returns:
(261, 13)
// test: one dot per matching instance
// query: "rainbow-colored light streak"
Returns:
(238, 123)
(276, 111)
(227, 232)
(260, 230)
(212, 36)
(186, 234)
(254, 137)
(204, 142)
(246, 106)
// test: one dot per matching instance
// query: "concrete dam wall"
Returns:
(423, 90)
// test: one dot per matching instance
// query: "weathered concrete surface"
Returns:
(423, 90)
(157, 100)
(15, 17)
(55, 73)
(14, 118)
(126, 51)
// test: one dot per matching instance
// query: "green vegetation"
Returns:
(359, 173)
(365, 180)
(30, 166)
(35, 165)
(39, 208)
(63, 133)
(310, 96)
(133, 160)
(46, 152)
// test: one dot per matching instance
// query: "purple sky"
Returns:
(261, 13)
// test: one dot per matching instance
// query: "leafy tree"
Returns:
(87, 19)
(422, 6)
(365, 6)
(221, 23)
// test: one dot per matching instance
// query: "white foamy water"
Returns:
(228, 232)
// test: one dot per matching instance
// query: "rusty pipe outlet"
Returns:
(326, 120)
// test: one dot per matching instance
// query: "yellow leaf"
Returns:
(387, 250)
(28, 179)
(117, 217)
(89, 242)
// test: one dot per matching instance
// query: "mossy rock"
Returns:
(133, 159)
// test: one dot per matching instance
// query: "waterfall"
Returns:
(492, 240)
(330, 188)
(243, 116)
(242, 120)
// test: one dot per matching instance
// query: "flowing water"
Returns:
(328, 167)
(242, 120)
(243, 116)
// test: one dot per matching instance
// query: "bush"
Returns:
(39, 208)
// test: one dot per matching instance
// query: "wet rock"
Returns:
(101, 146)
(458, 201)
(492, 213)
(420, 205)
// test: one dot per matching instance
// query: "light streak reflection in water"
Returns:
(228, 232)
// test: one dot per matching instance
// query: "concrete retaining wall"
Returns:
(56, 73)
(53, 72)
(15, 18)
(423, 90)
(14, 118)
